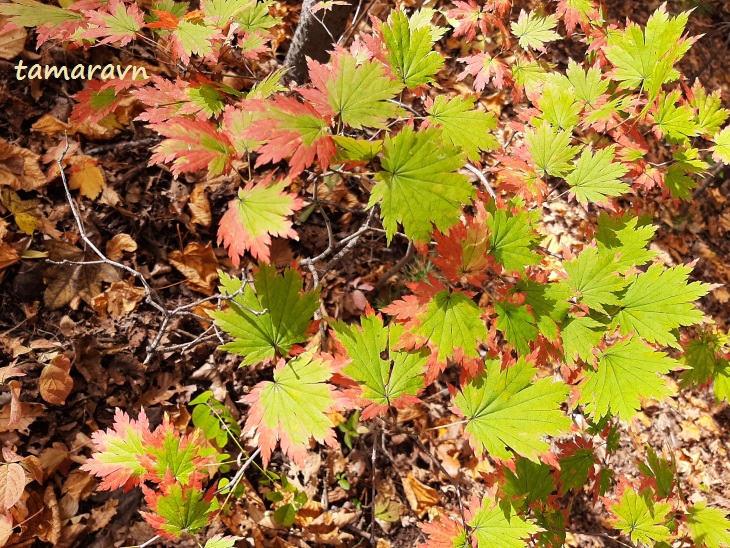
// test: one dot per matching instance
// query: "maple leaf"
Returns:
(395, 380)
(528, 482)
(222, 541)
(496, 524)
(580, 336)
(517, 325)
(506, 411)
(577, 464)
(534, 30)
(721, 150)
(676, 122)
(419, 185)
(708, 526)
(559, 106)
(221, 11)
(710, 116)
(293, 408)
(646, 59)
(512, 239)
(577, 13)
(288, 314)
(589, 85)
(657, 302)
(259, 212)
(410, 50)
(463, 252)
(593, 279)
(626, 371)
(625, 238)
(120, 23)
(484, 68)
(463, 126)
(68, 283)
(192, 145)
(290, 129)
(25, 212)
(357, 92)
(192, 38)
(466, 16)
(444, 532)
(641, 518)
(118, 451)
(177, 510)
(551, 150)
(95, 102)
(452, 320)
(596, 176)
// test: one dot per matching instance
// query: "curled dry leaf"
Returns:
(25, 212)
(200, 206)
(12, 484)
(70, 283)
(8, 256)
(55, 382)
(118, 245)
(121, 298)
(199, 265)
(19, 168)
(50, 125)
(421, 497)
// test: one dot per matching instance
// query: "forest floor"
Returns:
(172, 223)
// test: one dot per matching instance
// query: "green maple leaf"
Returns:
(596, 176)
(517, 324)
(464, 126)
(512, 239)
(257, 17)
(356, 150)
(575, 469)
(559, 106)
(506, 411)
(625, 238)
(626, 372)
(29, 13)
(549, 302)
(646, 59)
(451, 321)
(679, 183)
(192, 39)
(661, 470)
(384, 381)
(178, 510)
(419, 184)
(499, 525)
(593, 279)
(580, 336)
(285, 322)
(293, 408)
(410, 50)
(120, 25)
(587, 85)
(221, 541)
(258, 213)
(721, 150)
(676, 122)
(534, 30)
(551, 150)
(657, 302)
(710, 114)
(223, 10)
(709, 526)
(530, 481)
(640, 518)
(358, 93)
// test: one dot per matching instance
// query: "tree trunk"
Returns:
(315, 40)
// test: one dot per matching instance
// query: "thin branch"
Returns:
(396, 268)
(483, 179)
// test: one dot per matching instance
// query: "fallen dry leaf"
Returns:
(55, 383)
(12, 484)
(118, 245)
(19, 168)
(86, 176)
(29, 412)
(199, 265)
(12, 41)
(25, 212)
(8, 256)
(121, 298)
(70, 283)
(200, 206)
(50, 125)
(420, 497)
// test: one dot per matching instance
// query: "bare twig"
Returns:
(396, 268)
(483, 179)
(122, 146)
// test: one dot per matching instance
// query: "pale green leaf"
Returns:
(512, 239)
(499, 525)
(517, 324)
(721, 150)
(596, 176)
(551, 150)
(410, 51)
(464, 126)
(709, 526)
(593, 279)
(534, 30)
(641, 518)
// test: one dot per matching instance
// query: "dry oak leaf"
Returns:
(50, 125)
(85, 175)
(12, 484)
(118, 245)
(199, 265)
(121, 298)
(421, 497)
(19, 168)
(12, 42)
(55, 383)
(69, 283)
